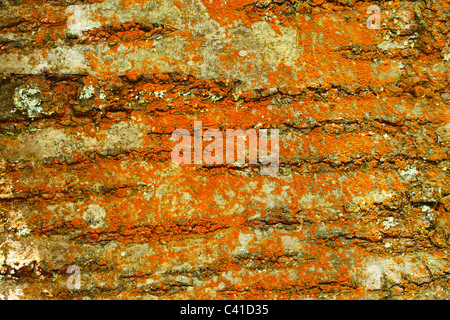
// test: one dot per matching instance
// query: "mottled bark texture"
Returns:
(91, 91)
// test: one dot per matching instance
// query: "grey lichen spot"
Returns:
(446, 56)
(28, 101)
(373, 278)
(429, 213)
(409, 173)
(94, 216)
(23, 231)
(160, 94)
(88, 92)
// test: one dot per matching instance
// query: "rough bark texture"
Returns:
(91, 91)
